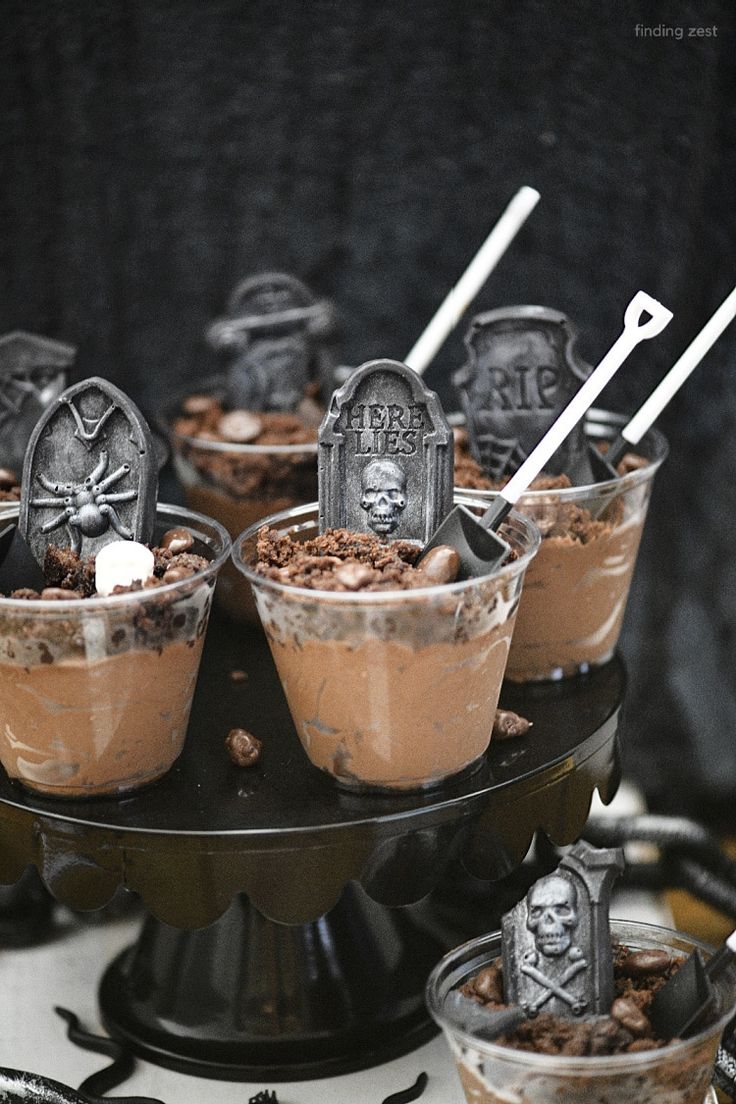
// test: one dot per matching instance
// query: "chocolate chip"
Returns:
(243, 747)
(489, 984)
(58, 594)
(199, 404)
(177, 540)
(507, 725)
(353, 575)
(238, 676)
(8, 479)
(639, 964)
(631, 1017)
(239, 426)
(440, 565)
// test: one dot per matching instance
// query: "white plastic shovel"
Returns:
(480, 548)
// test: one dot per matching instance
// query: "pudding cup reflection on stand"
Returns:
(96, 692)
(677, 1073)
(390, 690)
(577, 586)
(238, 484)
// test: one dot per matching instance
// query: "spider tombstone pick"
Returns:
(90, 474)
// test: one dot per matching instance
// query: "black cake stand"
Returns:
(273, 948)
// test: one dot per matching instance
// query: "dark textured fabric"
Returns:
(154, 153)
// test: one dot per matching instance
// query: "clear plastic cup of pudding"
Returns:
(240, 481)
(95, 692)
(676, 1072)
(577, 586)
(390, 689)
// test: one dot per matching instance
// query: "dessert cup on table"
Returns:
(96, 692)
(680, 1072)
(396, 689)
(240, 482)
(577, 586)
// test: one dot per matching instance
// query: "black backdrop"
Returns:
(155, 152)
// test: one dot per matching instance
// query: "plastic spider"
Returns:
(87, 509)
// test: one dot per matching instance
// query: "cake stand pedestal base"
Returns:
(249, 999)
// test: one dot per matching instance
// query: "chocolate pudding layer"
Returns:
(238, 466)
(614, 1059)
(392, 672)
(577, 586)
(96, 691)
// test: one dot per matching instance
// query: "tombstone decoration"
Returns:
(521, 372)
(33, 373)
(385, 455)
(90, 474)
(280, 339)
(557, 942)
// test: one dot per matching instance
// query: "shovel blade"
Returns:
(681, 1003)
(480, 550)
(484, 1023)
(18, 567)
(600, 467)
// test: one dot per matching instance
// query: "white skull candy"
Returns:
(552, 914)
(384, 495)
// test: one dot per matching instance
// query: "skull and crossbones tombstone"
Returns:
(556, 942)
(385, 458)
(279, 341)
(33, 371)
(522, 369)
(90, 474)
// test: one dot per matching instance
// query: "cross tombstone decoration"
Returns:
(557, 953)
(90, 474)
(522, 370)
(280, 338)
(385, 455)
(33, 372)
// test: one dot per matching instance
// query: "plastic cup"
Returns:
(95, 693)
(679, 1073)
(577, 586)
(238, 484)
(395, 690)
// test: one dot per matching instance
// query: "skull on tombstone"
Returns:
(383, 495)
(552, 914)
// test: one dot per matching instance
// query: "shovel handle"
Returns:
(680, 370)
(634, 331)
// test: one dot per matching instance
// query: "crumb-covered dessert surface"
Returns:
(343, 560)
(205, 428)
(68, 576)
(638, 975)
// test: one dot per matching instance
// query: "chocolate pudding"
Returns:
(577, 586)
(609, 1059)
(96, 691)
(391, 670)
(239, 465)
